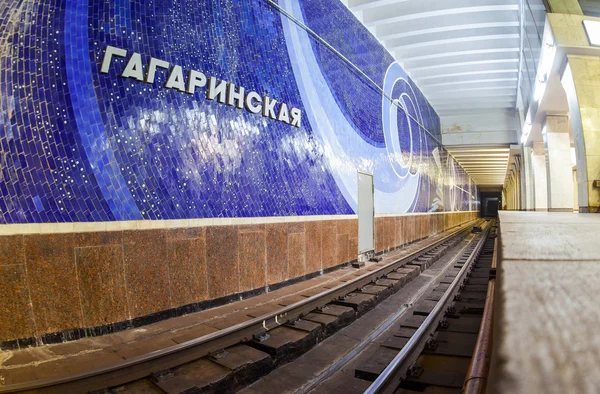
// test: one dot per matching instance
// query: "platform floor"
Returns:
(547, 314)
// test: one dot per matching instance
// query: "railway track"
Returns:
(446, 348)
(251, 349)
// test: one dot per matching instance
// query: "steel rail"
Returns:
(479, 368)
(391, 376)
(172, 356)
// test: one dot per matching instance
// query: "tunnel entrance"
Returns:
(490, 204)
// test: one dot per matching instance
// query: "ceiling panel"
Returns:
(463, 55)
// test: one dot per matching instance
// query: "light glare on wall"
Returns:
(526, 129)
(540, 87)
(592, 29)
(547, 59)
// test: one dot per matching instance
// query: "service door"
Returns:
(365, 213)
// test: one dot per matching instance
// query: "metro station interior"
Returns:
(299, 196)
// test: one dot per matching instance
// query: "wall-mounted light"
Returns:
(546, 62)
(592, 29)
(526, 128)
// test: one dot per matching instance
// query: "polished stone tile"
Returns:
(313, 246)
(187, 271)
(296, 257)
(16, 316)
(353, 228)
(390, 232)
(186, 254)
(399, 223)
(352, 249)
(222, 260)
(329, 242)
(277, 252)
(99, 238)
(101, 284)
(12, 250)
(342, 249)
(252, 269)
(379, 235)
(146, 271)
(52, 278)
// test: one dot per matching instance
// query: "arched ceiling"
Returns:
(464, 56)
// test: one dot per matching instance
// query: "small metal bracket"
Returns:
(444, 323)
(415, 371)
(162, 375)
(263, 336)
(218, 354)
(431, 344)
(596, 183)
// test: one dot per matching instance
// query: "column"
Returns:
(581, 81)
(538, 164)
(559, 166)
(528, 180)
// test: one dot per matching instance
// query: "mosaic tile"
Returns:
(80, 145)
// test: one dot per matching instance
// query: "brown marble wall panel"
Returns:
(146, 271)
(277, 258)
(390, 230)
(353, 228)
(101, 284)
(186, 257)
(252, 257)
(415, 230)
(343, 227)
(313, 250)
(222, 260)
(52, 279)
(344, 230)
(329, 243)
(16, 315)
(342, 249)
(12, 250)
(352, 249)
(296, 257)
(99, 238)
(409, 228)
(379, 235)
(398, 230)
(56, 282)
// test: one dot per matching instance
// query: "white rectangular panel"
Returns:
(365, 213)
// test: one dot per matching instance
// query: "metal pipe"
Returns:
(476, 380)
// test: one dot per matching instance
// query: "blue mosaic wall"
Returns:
(77, 144)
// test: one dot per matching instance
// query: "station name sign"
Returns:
(218, 90)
